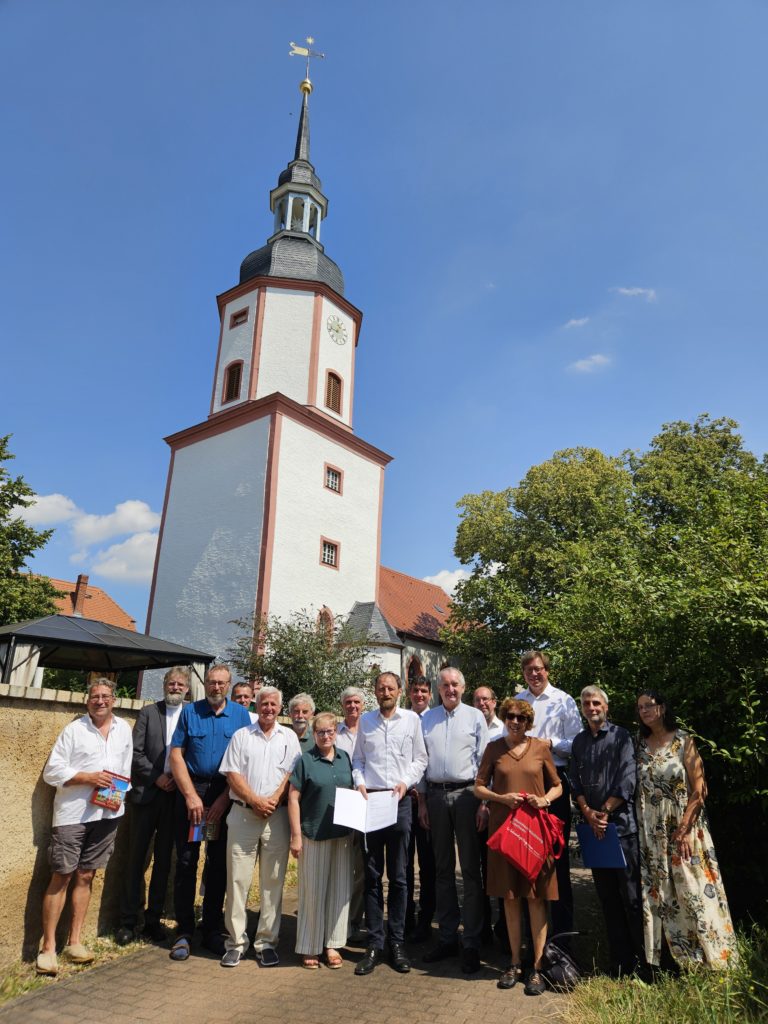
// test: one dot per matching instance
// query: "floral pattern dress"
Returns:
(684, 900)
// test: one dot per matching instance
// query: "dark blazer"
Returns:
(148, 753)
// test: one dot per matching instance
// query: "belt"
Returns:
(449, 787)
(242, 803)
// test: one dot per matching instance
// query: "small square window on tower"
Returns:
(329, 553)
(334, 479)
(240, 317)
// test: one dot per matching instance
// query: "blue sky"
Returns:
(552, 215)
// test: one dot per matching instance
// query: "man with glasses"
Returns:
(556, 720)
(484, 699)
(420, 698)
(603, 779)
(352, 706)
(85, 757)
(201, 737)
(455, 736)
(258, 763)
(150, 818)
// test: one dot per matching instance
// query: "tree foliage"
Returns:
(22, 595)
(645, 569)
(300, 655)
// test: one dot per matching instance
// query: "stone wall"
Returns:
(30, 721)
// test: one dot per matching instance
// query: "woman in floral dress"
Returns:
(683, 895)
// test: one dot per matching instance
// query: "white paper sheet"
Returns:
(354, 811)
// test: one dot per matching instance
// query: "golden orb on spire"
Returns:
(306, 87)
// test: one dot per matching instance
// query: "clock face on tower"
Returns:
(336, 329)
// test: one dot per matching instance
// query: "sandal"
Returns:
(310, 963)
(332, 959)
(180, 949)
(510, 977)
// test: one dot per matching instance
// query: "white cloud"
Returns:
(128, 517)
(590, 364)
(447, 579)
(49, 509)
(649, 294)
(130, 561)
(581, 321)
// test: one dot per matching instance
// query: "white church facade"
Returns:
(273, 504)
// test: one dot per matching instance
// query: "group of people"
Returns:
(216, 777)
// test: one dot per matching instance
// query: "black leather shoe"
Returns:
(400, 960)
(123, 936)
(470, 961)
(154, 931)
(373, 957)
(443, 951)
(510, 977)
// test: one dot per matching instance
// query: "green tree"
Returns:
(301, 655)
(22, 595)
(646, 569)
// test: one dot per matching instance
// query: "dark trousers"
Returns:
(562, 909)
(453, 821)
(618, 890)
(155, 818)
(420, 846)
(387, 846)
(187, 856)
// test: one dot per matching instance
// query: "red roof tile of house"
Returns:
(95, 603)
(411, 605)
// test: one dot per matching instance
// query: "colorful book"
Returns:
(113, 795)
(208, 830)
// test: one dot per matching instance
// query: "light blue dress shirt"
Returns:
(455, 741)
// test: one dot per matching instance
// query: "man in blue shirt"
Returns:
(603, 778)
(197, 747)
(455, 736)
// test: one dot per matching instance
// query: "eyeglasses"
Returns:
(325, 732)
(647, 707)
(512, 717)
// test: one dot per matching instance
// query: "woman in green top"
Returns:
(324, 850)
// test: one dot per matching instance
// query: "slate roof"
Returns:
(293, 255)
(97, 605)
(366, 617)
(413, 606)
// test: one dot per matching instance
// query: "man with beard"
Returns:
(151, 801)
(201, 737)
(389, 756)
(352, 704)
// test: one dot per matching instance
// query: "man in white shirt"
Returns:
(151, 814)
(455, 736)
(389, 755)
(556, 719)
(86, 755)
(420, 699)
(258, 763)
(484, 699)
(242, 694)
(352, 704)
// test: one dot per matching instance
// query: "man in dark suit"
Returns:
(151, 801)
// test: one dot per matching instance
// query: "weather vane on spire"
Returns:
(305, 51)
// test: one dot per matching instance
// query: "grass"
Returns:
(697, 996)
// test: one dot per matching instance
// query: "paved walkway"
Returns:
(147, 987)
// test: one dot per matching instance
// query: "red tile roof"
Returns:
(97, 605)
(411, 605)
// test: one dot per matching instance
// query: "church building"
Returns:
(273, 504)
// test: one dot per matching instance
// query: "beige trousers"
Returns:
(249, 837)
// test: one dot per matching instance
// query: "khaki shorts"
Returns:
(86, 847)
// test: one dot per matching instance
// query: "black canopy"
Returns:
(68, 641)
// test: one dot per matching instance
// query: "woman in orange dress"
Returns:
(514, 765)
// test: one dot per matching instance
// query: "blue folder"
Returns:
(600, 853)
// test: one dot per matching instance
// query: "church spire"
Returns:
(299, 208)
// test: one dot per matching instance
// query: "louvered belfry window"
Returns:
(232, 382)
(333, 392)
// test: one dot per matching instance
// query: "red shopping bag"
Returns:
(528, 838)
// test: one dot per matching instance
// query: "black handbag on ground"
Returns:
(560, 970)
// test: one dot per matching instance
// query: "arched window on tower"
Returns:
(313, 220)
(333, 392)
(233, 379)
(297, 215)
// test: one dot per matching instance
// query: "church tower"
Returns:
(272, 503)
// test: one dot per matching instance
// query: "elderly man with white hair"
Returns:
(301, 710)
(258, 763)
